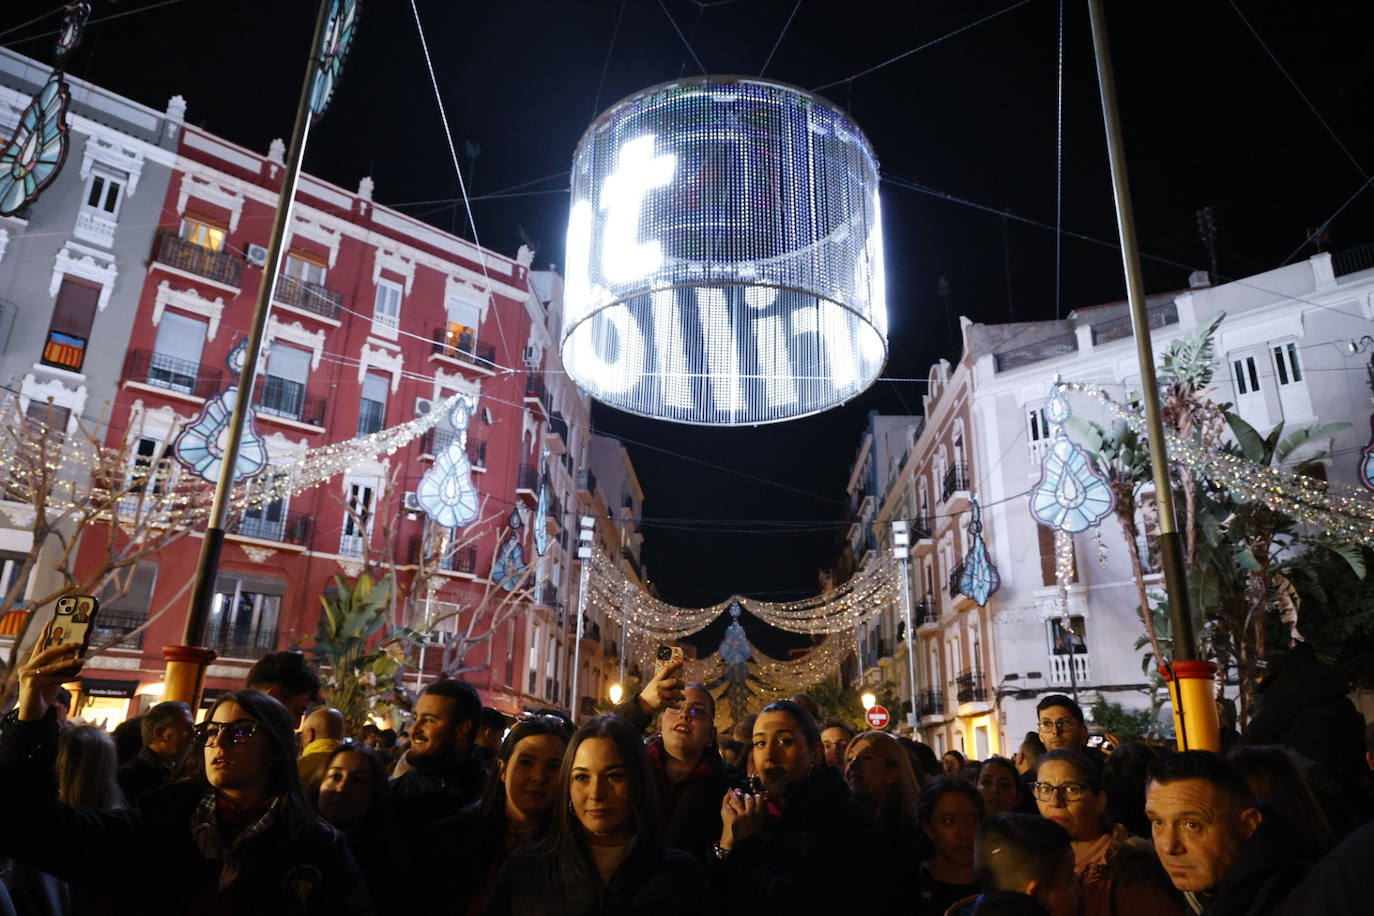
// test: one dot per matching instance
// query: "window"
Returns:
(175, 363)
(120, 613)
(463, 319)
(1287, 366)
(54, 416)
(149, 471)
(203, 234)
(283, 390)
(11, 567)
(70, 328)
(372, 410)
(303, 269)
(1047, 564)
(1246, 375)
(386, 311)
(358, 519)
(1067, 640)
(266, 522)
(105, 190)
(243, 618)
(1037, 431)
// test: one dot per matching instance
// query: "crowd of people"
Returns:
(268, 806)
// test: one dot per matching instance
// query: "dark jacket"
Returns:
(471, 848)
(543, 880)
(1262, 876)
(142, 774)
(147, 859)
(1339, 884)
(1304, 704)
(424, 795)
(808, 857)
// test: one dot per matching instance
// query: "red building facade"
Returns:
(376, 318)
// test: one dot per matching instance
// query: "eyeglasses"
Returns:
(1072, 791)
(692, 711)
(1061, 725)
(227, 733)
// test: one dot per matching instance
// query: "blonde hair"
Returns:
(86, 763)
(901, 798)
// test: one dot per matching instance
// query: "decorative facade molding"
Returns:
(388, 259)
(380, 359)
(280, 446)
(156, 423)
(74, 399)
(188, 300)
(294, 332)
(315, 232)
(88, 264)
(456, 383)
(258, 554)
(114, 155)
(192, 186)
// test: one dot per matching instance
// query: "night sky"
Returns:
(1210, 119)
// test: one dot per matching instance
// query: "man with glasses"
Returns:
(1061, 725)
(690, 775)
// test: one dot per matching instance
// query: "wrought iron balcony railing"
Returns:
(163, 371)
(174, 251)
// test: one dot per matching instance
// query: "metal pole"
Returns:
(208, 565)
(905, 567)
(1171, 544)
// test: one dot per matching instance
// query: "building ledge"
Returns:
(288, 422)
(198, 278)
(164, 392)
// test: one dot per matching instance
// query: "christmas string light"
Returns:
(1334, 509)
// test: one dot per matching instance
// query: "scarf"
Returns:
(210, 840)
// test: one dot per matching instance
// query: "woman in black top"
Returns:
(353, 796)
(603, 854)
(236, 837)
(950, 812)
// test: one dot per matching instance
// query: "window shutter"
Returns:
(75, 308)
(181, 337)
(287, 362)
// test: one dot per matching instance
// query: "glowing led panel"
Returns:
(725, 255)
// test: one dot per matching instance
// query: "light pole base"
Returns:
(185, 678)
(1195, 707)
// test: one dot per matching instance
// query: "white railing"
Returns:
(94, 228)
(1059, 668)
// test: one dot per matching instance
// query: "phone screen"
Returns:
(73, 621)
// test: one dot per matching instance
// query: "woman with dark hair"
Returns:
(354, 797)
(1000, 785)
(879, 773)
(1271, 774)
(1118, 875)
(950, 813)
(603, 853)
(953, 763)
(514, 812)
(1124, 777)
(796, 845)
(235, 837)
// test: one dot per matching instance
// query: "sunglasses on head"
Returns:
(227, 733)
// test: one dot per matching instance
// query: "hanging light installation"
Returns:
(724, 255)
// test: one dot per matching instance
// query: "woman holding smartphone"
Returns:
(603, 853)
(235, 837)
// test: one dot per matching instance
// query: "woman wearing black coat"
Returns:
(801, 844)
(603, 854)
(236, 837)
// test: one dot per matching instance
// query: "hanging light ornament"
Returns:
(201, 445)
(541, 511)
(38, 147)
(1072, 495)
(1367, 460)
(445, 491)
(510, 557)
(980, 578)
(338, 37)
(724, 255)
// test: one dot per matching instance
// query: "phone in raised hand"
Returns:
(665, 656)
(73, 622)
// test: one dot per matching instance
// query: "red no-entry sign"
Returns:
(878, 717)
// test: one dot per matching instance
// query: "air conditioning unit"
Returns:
(532, 356)
(412, 502)
(423, 406)
(256, 254)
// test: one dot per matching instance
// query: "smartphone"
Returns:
(666, 655)
(73, 622)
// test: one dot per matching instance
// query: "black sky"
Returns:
(1210, 119)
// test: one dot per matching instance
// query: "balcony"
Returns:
(611, 649)
(932, 703)
(463, 350)
(536, 392)
(114, 624)
(546, 595)
(1060, 668)
(94, 226)
(175, 252)
(527, 481)
(293, 528)
(1117, 328)
(633, 561)
(149, 367)
(1050, 348)
(279, 397)
(555, 514)
(922, 534)
(591, 630)
(435, 440)
(238, 644)
(972, 687)
(884, 651)
(956, 482)
(308, 297)
(586, 483)
(926, 613)
(556, 433)
(462, 560)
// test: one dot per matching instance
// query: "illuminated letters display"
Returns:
(724, 255)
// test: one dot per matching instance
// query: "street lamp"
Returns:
(869, 701)
(616, 693)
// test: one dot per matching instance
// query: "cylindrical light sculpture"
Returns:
(725, 255)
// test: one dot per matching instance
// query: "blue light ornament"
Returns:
(510, 557)
(445, 492)
(1072, 495)
(980, 578)
(201, 446)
